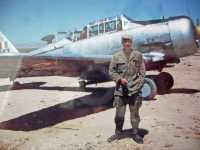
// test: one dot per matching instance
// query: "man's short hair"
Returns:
(127, 37)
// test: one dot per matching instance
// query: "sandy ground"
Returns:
(52, 113)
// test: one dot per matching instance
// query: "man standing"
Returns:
(127, 69)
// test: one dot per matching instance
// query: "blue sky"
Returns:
(25, 21)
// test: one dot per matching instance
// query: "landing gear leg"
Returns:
(15, 84)
(82, 84)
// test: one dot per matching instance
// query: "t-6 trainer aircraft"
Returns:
(87, 53)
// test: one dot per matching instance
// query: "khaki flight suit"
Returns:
(131, 68)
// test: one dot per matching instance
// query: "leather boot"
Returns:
(137, 137)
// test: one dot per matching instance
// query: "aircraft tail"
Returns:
(6, 46)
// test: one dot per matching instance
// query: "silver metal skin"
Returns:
(161, 42)
(174, 36)
(182, 34)
(171, 36)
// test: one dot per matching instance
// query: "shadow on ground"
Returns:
(98, 101)
(19, 86)
(127, 134)
(39, 86)
(180, 91)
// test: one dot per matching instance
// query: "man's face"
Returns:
(127, 44)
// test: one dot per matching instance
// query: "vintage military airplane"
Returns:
(87, 53)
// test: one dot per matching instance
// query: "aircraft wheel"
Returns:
(149, 89)
(165, 82)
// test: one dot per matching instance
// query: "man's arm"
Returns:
(113, 70)
(142, 72)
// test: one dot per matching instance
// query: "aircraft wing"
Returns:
(64, 43)
(29, 66)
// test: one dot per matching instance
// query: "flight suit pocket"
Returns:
(134, 66)
(122, 67)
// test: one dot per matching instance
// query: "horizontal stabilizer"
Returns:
(51, 47)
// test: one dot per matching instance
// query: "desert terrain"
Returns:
(53, 113)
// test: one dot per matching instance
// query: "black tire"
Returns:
(149, 89)
(165, 82)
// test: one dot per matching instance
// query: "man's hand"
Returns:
(124, 81)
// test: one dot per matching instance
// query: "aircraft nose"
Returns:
(198, 36)
(198, 32)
